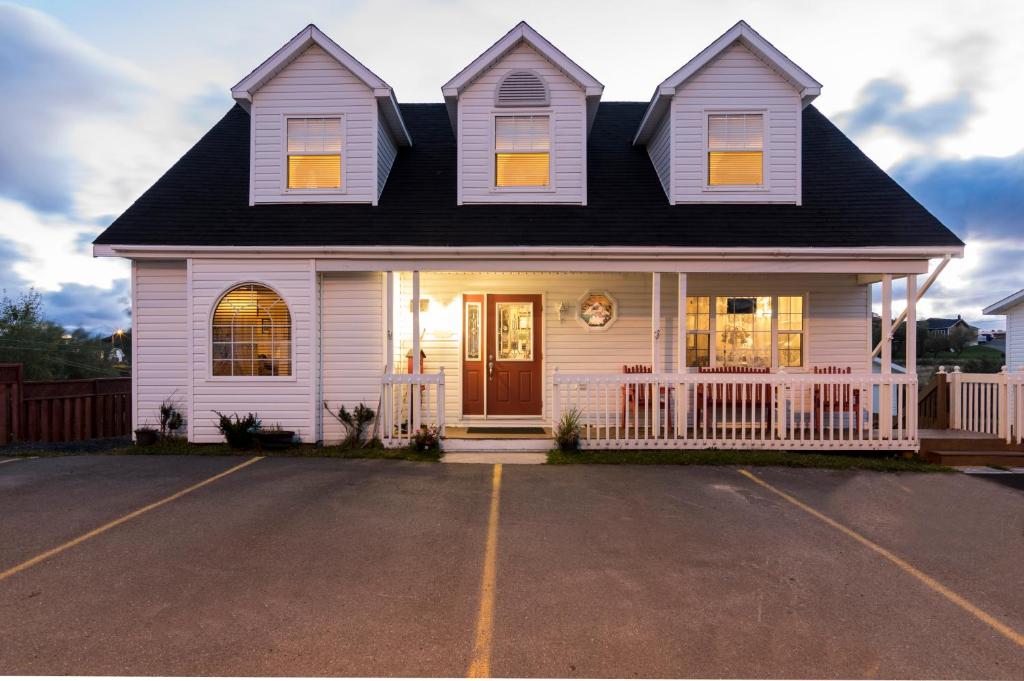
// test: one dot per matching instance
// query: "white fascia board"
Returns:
(427, 253)
(1006, 304)
(525, 33)
(802, 82)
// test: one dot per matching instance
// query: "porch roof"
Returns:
(848, 202)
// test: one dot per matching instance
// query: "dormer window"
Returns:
(522, 151)
(736, 149)
(314, 153)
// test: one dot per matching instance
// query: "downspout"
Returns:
(902, 316)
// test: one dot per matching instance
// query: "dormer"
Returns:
(521, 112)
(324, 128)
(726, 127)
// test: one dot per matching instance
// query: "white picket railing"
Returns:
(741, 411)
(991, 404)
(409, 401)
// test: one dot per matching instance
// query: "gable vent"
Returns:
(522, 88)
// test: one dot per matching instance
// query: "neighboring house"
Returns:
(938, 326)
(1013, 307)
(496, 259)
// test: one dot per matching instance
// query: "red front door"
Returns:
(514, 363)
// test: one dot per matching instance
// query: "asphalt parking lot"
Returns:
(307, 567)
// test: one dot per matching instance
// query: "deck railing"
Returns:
(991, 404)
(409, 401)
(741, 411)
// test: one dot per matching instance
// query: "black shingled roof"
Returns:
(847, 200)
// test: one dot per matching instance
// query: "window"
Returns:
(514, 326)
(252, 333)
(735, 149)
(522, 151)
(743, 331)
(791, 331)
(698, 331)
(314, 153)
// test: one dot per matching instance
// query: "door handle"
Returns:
(490, 367)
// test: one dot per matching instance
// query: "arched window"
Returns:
(252, 333)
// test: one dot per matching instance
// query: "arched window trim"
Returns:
(546, 101)
(282, 299)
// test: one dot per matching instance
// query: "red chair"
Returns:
(638, 399)
(838, 399)
(752, 397)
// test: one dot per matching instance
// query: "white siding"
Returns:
(314, 84)
(568, 140)
(1015, 338)
(837, 330)
(352, 343)
(737, 80)
(287, 401)
(160, 335)
(660, 151)
(386, 152)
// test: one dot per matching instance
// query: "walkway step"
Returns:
(495, 457)
(497, 445)
(976, 458)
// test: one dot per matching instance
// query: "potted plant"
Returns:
(567, 434)
(145, 436)
(427, 439)
(274, 437)
(239, 432)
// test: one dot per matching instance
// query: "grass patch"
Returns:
(182, 447)
(729, 457)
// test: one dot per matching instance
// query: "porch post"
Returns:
(681, 388)
(911, 333)
(655, 355)
(885, 389)
(389, 331)
(414, 388)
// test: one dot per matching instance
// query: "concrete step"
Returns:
(974, 458)
(497, 444)
(969, 444)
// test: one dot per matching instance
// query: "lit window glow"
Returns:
(735, 149)
(522, 147)
(252, 333)
(314, 153)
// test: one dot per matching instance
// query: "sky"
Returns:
(101, 97)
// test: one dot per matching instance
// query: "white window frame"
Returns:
(331, 191)
(292, 377)
(775, 366)
(493, 152)
(765, 185)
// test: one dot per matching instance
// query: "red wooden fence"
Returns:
(62, 411)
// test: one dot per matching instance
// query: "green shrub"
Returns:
(239, 433)
(567, 434)
(354, 423)
(427, 439)
(170, 419)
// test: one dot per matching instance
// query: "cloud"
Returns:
(10, 280)
(882, 103)
(51, 81)
(93, 308)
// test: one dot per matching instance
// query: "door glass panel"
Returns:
(515, 331)
(473, 328)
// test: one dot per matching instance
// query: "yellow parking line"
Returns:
(20, 458)
(481, 663)
(123, 519)
(933, 584)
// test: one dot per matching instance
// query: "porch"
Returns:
(802, 341)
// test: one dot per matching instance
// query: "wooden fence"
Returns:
(62, 411)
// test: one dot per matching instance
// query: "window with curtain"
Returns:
(252, 333)
(743, 327)
(735, 149)
(522, 151)
(698, 331)
(791, 331)
(314, 153)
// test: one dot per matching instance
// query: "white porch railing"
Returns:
(741, 411)
(992, 404)
(409, 401)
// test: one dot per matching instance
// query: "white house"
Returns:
(691, 271)
(1013, 307)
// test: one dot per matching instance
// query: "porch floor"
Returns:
(462, 433)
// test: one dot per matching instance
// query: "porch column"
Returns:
(414, 388)
(654, 403)
(911, 333)
(389, 329)
(885, 389)
(681, 388)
